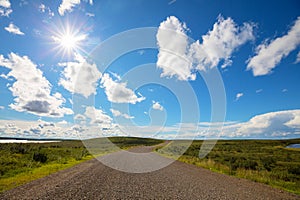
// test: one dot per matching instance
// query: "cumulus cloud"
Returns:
(273, 125)
(13, 29)
(4, 76)
(117, 113)
(298, 58)
(80, 76)
(79, 118)
(157, 106)
(238, 96)
(118, 92)
(5, 8)
(63, 122)
(97, 116)
(67, 5)
(172, 43)
(58, 130)
(44, 9)
(269, 55)
(32, 92)
(116, 76)
(5, 3)
(281, 123)
(219, 43)
(181, 58)
(43, 129)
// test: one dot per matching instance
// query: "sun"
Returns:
(68, 40)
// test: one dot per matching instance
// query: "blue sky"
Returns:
(204, 69)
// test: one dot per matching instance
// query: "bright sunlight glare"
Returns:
(68, 41)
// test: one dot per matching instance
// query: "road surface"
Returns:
(93, 180)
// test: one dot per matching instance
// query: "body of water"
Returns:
(293, 146)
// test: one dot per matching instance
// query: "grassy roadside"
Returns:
(22, 163)
(36, 173)
(265, 161)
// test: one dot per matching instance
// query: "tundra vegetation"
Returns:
(265, 161)
(24, 162)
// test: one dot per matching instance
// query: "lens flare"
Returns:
(68, 40)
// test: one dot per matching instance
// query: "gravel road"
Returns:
(93, 180)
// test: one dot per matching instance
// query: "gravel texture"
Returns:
(93, 180)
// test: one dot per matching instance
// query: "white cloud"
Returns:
(281, 123)
(157, 106)
(5, 8)
(59, 130)
(117, 113)
(118, 92)
(273, 125)
(67, 5)
(32, 92)
(268, 55)
(238, 96)
(2, 107)
(219, 43)
(116, 76)
(295, 121)
(63, 122)
(43, 8)
(97, 116)
(173, 46)
(79, 117)
(13, 29)
(37, 129)
(80, 76)
(181, 58)
(259, 90)
(298, 58)
(5, 3)
(284, 90)
(4, 76)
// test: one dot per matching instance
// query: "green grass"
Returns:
(36, 173)
(22, 163)
(265, 161)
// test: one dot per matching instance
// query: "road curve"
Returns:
(93, 180)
